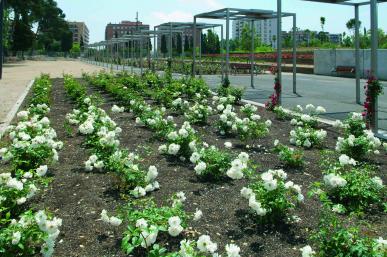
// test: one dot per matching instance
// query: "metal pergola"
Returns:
(122, 41)
(374, 45)
(252, 15)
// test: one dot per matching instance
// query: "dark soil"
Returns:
(78, 197)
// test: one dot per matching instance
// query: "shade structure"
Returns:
(374, 47)
(252, 15)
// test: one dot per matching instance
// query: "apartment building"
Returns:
(123, 28)
(80, 32)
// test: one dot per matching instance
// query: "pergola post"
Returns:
(279, 48)
(170, 41)
(357, 53)
(374, 59)
(294, 54)
(182, 45)
(200, 53)
(194, 49)
(227, 43)
(141, 59)
(252, 54)
(222, 52)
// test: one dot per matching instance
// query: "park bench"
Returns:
(237, 67)
(349, 70)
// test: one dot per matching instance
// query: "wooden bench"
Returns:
(236, 67)
(344, 69)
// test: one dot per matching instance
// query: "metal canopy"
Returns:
(345, 2)
(374, 46)
(252, 15)
(238, 14)
(186, 25)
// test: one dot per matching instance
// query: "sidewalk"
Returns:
(17, 76)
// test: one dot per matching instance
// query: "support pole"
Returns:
(294, 54)
(170, 41)
(252, 54)
(221, 52)
(182, 45)
(227, 43)
(279, 48)
(194, 49)
(374, 59)
(357, 54)
(200, 52)
(141, 59)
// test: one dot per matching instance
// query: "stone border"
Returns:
(11, 114)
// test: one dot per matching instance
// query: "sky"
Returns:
(98, 13)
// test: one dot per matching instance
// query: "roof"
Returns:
(239, 14)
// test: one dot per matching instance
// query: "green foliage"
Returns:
(156, 221)
(360, 192)
(333, 238)
(237, 93)
(289, 156)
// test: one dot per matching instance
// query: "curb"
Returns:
(11, 114)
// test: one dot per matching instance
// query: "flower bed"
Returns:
(199, 207)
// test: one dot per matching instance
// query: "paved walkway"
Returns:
(336, 94)
(17, 76)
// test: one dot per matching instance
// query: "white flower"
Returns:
(307, 251)
(256, 206)
(141, 223)
(228, 145)
(338, 124)
(41, 171)
(334, 181)
(270, 185)
(320, 110)
(117, 109)
(163, 148)
(381, 244)
(310, 107)
(197, 215)
(377, 181)
(181, 197)
(152, 174)
(21, 200)
(244, 157)
(246, 192)
(138, 192)
(200, 167)
(175, 230)
(268, 123)
(232, 250)
(346, 160)
(307, 143)
(195, 157)
(276, 142)
(173, 149)
(150, 238)
(235, 173)
(205, 245)
(16, 237)
(114, 221)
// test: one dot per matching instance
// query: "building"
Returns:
(335, 38)
(80, 32)
(123, 28)
(266, 30)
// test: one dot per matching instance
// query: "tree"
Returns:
(246, 39)
(75, 50)
(23, 37)
(351, 25)
(163, 47)
(67, 41)
(322, 22)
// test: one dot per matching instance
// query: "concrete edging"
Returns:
(11, 114)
